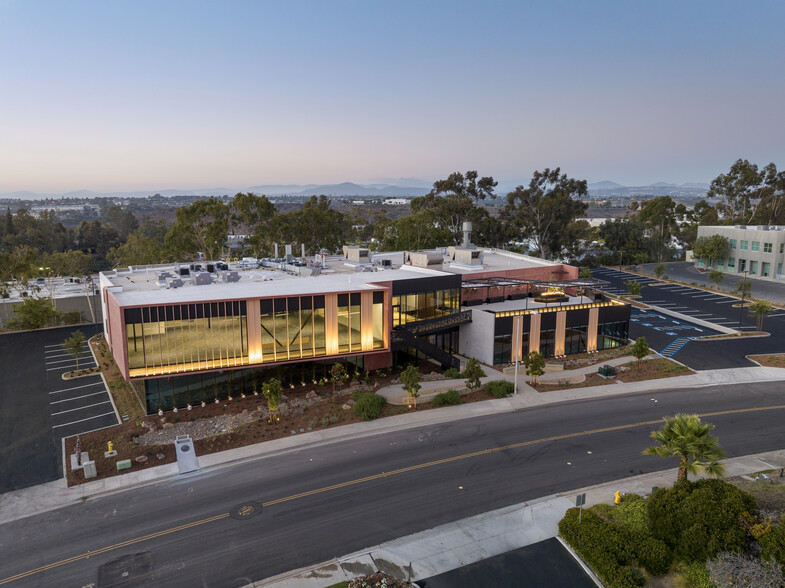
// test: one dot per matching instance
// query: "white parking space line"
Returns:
(62, 360)
(704, 295)
(78, 397)
(83, 354)
(81, 407)
(701, 315)
(55, 345)
(773, 315)
(83, 420)
(717, 298)
(68, 367)
(727, 301)
(77, 387)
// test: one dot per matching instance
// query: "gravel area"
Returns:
(161, 431)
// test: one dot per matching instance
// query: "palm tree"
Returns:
(73, 346)
(686, 437)
(759, 309)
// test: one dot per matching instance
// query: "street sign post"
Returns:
(579, 502)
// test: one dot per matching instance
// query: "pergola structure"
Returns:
(499, 282)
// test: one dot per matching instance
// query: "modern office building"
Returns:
(187, 333)
(758, 250)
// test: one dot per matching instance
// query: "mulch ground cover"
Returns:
(650, 369)
(773, 360)
(298, 416)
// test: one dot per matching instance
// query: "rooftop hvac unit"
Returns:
(201, 278)
(184, 271)
(195, 267)
(230, 276)
(222, 266)
(175, 283)
(211, 267)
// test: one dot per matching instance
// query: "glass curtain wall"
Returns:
(610, 335)
(349, 330)
(168, 392)
(186, 337)
(425, 305)
(292, 328)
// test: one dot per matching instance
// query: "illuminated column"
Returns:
(366, 320)
(561, 325)
(331, 323)
(254, 330)
(517, 337)
(591, 333)
(534, 331)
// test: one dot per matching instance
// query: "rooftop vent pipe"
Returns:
(467, 234)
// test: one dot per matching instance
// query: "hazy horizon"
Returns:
(149, 96)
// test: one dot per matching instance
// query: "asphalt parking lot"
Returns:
(715, 308)
(546, 564)
(38, 408)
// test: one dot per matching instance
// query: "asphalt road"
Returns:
(30, 451)
(325, 501)
(712, 307)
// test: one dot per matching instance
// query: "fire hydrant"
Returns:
(109, 446)
(617, 497)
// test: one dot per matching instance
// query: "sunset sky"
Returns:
(154, 95)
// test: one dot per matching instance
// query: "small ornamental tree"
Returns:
(640, 349)
(410, 378)
(473, 372)
(659, 270)
(273, 391)
(744, 287)
(73, 345)
(584, 273)
(715, 277)
(535, 365)
(759, 309)
(338, 373)
(633, 287)
(710, 249)
(686, 437)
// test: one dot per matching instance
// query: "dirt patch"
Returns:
(768, 489)
(772, 360)
(650, 369)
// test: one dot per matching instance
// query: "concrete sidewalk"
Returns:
(53, 495)
(463, 542)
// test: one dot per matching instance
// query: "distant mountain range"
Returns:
(608, 188)
(404, 188)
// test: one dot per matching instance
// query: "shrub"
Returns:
(699, 519)
(499, 388)
(602, 545)
(773, 542)
(446, 398)
(369, 406)
(733, 569)
(452, 373)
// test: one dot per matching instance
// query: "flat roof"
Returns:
(140, 286)
(530, 304)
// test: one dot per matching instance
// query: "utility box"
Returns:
(89, 469)
(186, 456)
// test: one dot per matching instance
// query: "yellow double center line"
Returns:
(370, 479)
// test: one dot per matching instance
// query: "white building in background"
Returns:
(758, 250)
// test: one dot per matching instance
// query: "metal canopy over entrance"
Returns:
(497, 282)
